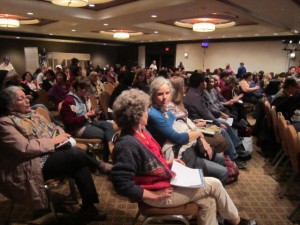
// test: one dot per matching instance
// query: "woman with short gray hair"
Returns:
(141, 173)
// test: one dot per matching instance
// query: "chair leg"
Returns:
(136, 217)
(294, 214)
(287, 184)
(51, 204)
(166, 217)
(11, 208)
(277, 164)
(277, 157)
(73, 190)
(283, 168)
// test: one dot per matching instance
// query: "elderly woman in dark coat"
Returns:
(30, 155)
(142, 174)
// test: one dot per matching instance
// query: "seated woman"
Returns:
(81, 121)
(142, 174)
(29, 156)
(60, 89)
(248, 91)
(27, 79)
(161, 126)
(217, 142)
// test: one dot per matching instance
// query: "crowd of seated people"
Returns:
(179, 103)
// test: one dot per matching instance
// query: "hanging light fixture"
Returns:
(71, 3)
(204, 27)
(8, 22)
(121, 35)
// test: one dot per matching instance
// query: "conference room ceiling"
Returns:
(252, 18)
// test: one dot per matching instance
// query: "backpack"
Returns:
(232, 170)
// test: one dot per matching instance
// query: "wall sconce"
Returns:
(186, 55)
(293, 55)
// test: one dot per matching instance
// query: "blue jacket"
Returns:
(161, 128)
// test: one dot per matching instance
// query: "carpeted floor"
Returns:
(255, 194)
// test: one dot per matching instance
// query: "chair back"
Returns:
(268, 115)
(275, 123)
(44, 99)
(294, 147)
(104, 99)
(94, 103)
(44, 113)
(282, 132)
(109, 88)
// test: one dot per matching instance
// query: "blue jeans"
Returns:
(216, 168)
(100, 129)
(231, 152)
(235, 139)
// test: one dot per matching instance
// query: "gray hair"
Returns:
(7, 97)
(155, 85)
(129, 107)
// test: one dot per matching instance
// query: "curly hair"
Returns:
(129, 108)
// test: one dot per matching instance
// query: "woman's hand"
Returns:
(179, 161)
(60, 138)
(200, 122)
(158, 195)
(207, 148)
(224, 116)
(170, 162)
(89, 114)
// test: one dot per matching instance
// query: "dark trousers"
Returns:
(102, 130)
(75, 164)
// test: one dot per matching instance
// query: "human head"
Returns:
(61, 76)
(241, 64)
(292, 70)
(50, 75)
(27, 76)
(129, 107)
(13, 99)
(210, 83)
(248, 76)
(58, 68)
(93, 76)
(12, 78)
(156, 84)
(140, 76)
(6, 60)
(178, 87)
(196, 79)
(291, 86)
(81, 85)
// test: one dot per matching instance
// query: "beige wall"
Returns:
(258, 55)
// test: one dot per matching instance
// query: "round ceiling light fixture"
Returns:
(8, 22)
(71, 3)
(121, 35)
(204, 27)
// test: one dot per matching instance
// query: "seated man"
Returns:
(196, 106)
(29, 156)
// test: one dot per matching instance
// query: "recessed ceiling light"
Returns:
(150, 41)
(50, 34)
(105, 24)
(156, 32)
(30, 13)
(223, 36)
(239, 35)
(153, 16)
(275, 34)
(209, 37)
(291, 41)
(256, 34)
(18, 37)
(73, 30)
(91, 5)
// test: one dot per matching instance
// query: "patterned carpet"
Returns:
(255, 195)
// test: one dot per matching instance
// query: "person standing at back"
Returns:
(241, 71)
(6, 64)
